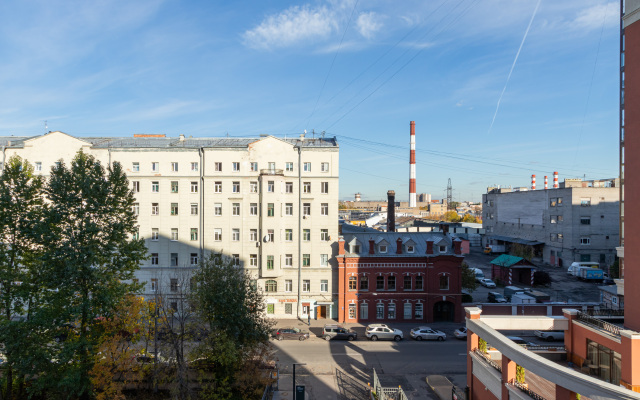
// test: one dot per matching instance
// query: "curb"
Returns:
(440, 385)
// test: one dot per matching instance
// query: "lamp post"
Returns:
(294, 377)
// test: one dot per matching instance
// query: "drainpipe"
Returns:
(299, 226)
(4, 156)
(201, 211)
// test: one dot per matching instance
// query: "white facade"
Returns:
(240, 197)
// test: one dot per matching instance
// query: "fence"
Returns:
(525, 389)
(387, 393)
(589, 320)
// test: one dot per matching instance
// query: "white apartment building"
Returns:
(270, 204)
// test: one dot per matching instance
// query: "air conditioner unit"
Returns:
(257, 244)
(266, 238)
(304, 217)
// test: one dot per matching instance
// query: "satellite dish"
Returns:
(266, 238)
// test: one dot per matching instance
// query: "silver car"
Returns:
(426, 333)
(375, 332)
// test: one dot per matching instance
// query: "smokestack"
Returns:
(533, 182)
(555, 179)
(412, 166)
(391, 211)
(546, 183)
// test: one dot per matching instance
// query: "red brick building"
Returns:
(399, 276)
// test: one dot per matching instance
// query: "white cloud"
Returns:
(594, 16)
(368, 24)
(294, 25)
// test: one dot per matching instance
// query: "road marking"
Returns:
(462, 354)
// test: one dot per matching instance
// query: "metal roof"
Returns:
(506, 260)
(515, 240)
(418, 238)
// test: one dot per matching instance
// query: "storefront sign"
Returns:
(287, 300)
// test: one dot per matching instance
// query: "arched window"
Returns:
(271, 286)
(353, 284)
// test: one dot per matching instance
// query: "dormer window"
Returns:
(354, 248)
(382, 248)
(410, 249)
(442, 249)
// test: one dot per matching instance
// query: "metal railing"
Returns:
(271, 172)
(387, 393)
(525, 389)
(488, 360)
(598, 323)
(605, 312)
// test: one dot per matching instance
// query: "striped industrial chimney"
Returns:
(412, 166)
(546, 183)
(533, 182)
(555, 179)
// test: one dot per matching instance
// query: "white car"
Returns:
(550, 336)
(460, 333)
(426, 333)
(486, 282)
(381, 331)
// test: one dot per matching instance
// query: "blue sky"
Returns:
(357, 70)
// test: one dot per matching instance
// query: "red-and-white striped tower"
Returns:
(555, 179)
(533, 182)
(412, 166)
(546, 183)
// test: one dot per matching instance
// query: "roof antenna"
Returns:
(46, 128)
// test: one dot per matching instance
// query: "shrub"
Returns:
(541, 278)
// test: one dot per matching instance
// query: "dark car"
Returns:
(337, 332)
(290, 333)
(495, 297)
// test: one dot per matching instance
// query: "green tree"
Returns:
(89, 256)
(451, 216)
(20, 213)
(614, 269)
(468, 277)
(521, 250)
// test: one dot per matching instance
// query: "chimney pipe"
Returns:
(533, 182)
(391, 211)
(412, 165)
(555, 179)
(546, 183)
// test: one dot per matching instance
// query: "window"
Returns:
(353, 283)
(364, 311)
(306, 209)
(324, 260)
(235, 234)
(392, 311)
(155, 187)
(307, 167)
(288, 260)
(410, 249)
(271, 286)
(194, 209)
(194, 187)
(324, 209)
(270, 211)
(253, 209)
(174, 259)
(270, 235)
(585, 240)
(560, 218)
(380, 311)
(174, 186)
(419, 311)
(236, 187)
(288, 308)
(217, 187)
(218, 166)
(324, 187)
(253, 167)
(352, 311)
(217, 234)
(324, 285)
(174, 167)
(553, 237)
(135, 167)
(354, 248)
(253, 187)
(271, 308)
(154, 285)
(253, 235)
(270, 186)
(235, 166)
(442, 249)
(253, 260)
(364, 283)
(559, 201)
(324, 167)
(236, 259)
(379, 282)
(585, 220)
(391, 283)
(217, 209)
(154, 258)
(585, 201)
(136, 208)
(288, 187)
(155, 167)
(306, 285)
(272, 166)
(306, 187)
(418, 283)
(174, 234)
(407, 283)
(194, 234)
(193, 259)
(174, 208)
(288, 235)
(444, 282)
(270, 262)
(135, 186)
(235, 209)
(194, 166)
(324, 234)
(560, 238)
(155, 209)
(155, 234)
(306, 260)
(288, 285)
(306, 235)
(382, 248)
(289, 166)
(553, 219)
(136, 234)
(174, 284)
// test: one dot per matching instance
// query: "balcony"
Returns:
(279, 172)
(598, 323)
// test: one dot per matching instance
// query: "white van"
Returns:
(478, 273)
(574, 268)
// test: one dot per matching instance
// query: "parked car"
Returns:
(550, 336)
(380, 331)
(331, 332)
(426, 333)
(291, 333)
(520, 341)
(460, 333)
(495, 297)
(486, 282)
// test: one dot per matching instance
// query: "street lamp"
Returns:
(294, 377)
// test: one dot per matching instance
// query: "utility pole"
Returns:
(449, 195)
